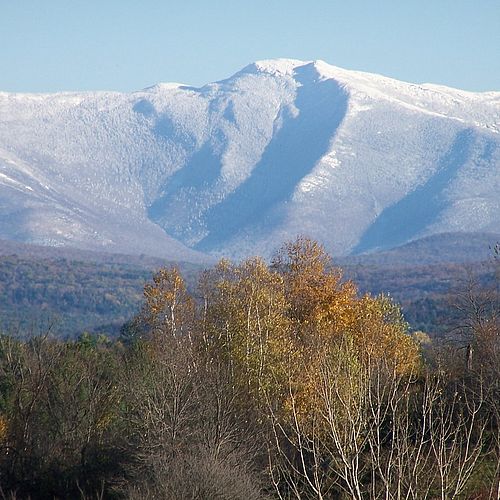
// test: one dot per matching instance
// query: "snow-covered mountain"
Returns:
(283, 147)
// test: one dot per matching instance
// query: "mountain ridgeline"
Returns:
(357, 161)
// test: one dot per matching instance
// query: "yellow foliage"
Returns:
(3, 428)
(318, 299)
(168, 306)
(380, 332)
(421, 338)
(284, 330)
(247, 322)
(327, 313)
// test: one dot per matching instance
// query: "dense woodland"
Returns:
(76, 291)
(71, 295)
(277, 380)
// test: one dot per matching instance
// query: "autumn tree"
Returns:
(246, 326)
(318, 298)
(168, 307)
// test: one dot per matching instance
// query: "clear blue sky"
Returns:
(51, 45)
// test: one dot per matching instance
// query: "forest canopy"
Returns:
(274, 380)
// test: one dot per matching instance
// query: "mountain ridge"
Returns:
(237, 166)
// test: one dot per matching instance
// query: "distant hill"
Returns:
(457, 248)
(82, 290)
(73, 290)
(426, 275)
(37, 252)
(427, 292)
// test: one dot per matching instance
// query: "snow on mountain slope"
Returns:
(356, 160)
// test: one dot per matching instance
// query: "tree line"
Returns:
(273, 380)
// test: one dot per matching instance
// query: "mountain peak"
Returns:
(279, 66)
(288, 67)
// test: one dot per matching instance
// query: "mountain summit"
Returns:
(356, 160)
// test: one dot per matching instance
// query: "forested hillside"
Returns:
(71, 295)
(76, 296)
(428, 294)
(98, 293)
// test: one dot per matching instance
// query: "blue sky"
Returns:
(52, 45)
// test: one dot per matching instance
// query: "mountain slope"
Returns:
(358, 161)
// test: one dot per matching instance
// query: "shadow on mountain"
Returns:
(404, 220)
(292, 153)
(166, 130)
(201, 171)
(144, 107)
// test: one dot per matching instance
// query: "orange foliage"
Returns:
(277, 327)
(318, 298)
(3, 428)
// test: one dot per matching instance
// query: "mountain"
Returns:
(358, 161)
